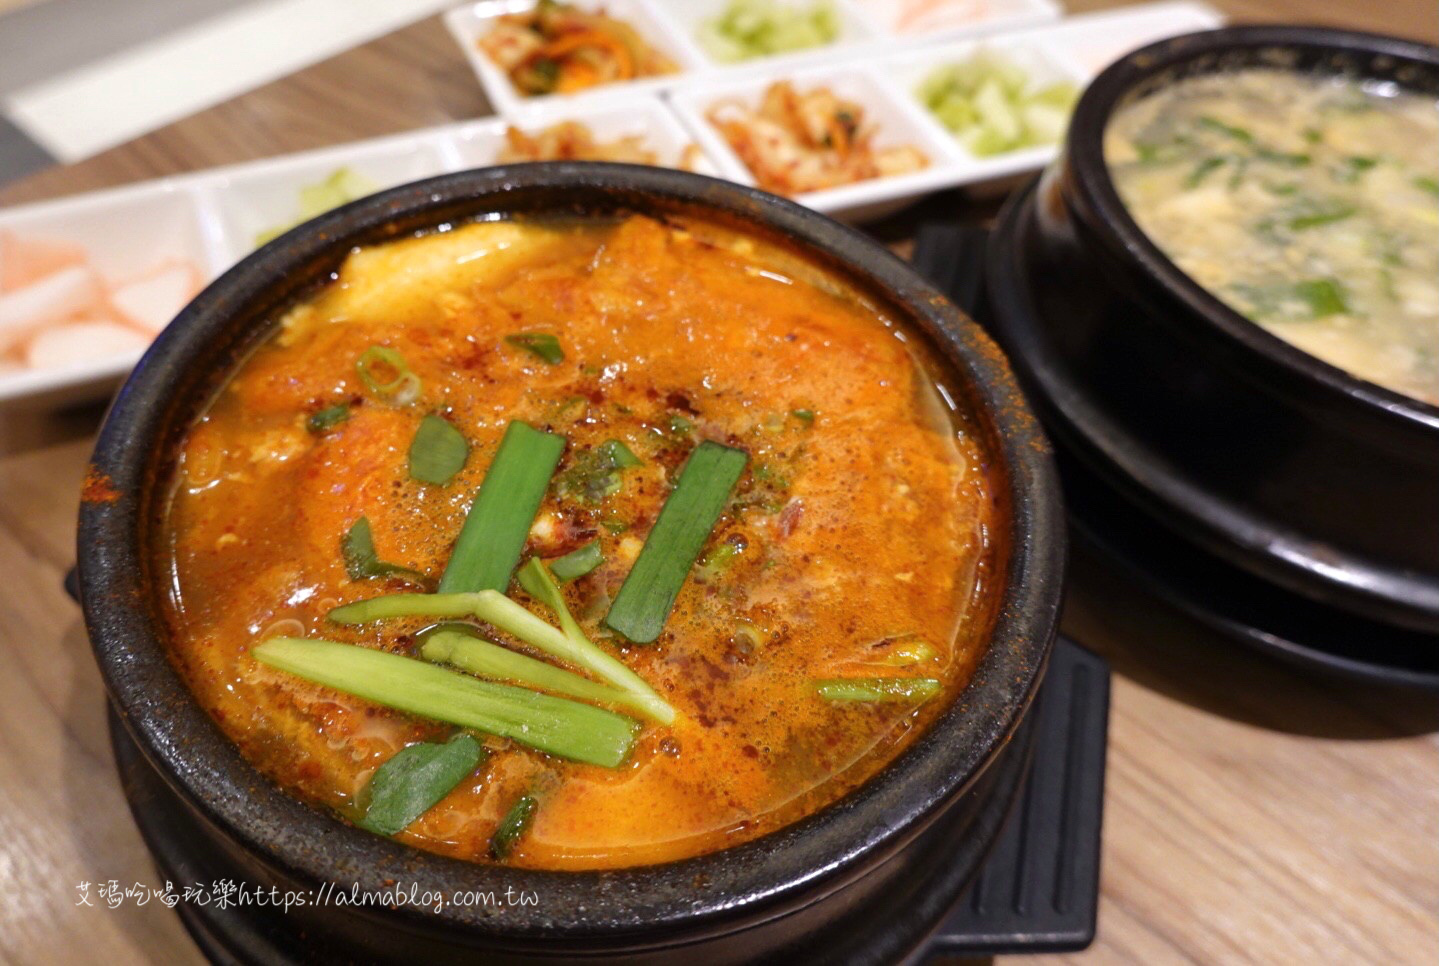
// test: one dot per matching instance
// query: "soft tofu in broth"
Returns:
(858, 545)
(1308, 203)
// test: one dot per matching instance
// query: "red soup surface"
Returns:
(861, 542)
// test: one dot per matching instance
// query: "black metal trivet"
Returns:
(1039, 889)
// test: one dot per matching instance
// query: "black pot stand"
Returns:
(1227, 600)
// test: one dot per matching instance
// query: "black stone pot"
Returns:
(1279, 463)
(762, 899)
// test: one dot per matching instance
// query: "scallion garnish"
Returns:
(495, 608)
(877, 689)
(438, 451)
(595, 474)
(619, 454)
(328, 418)
(1323, 296)
(542, 345)
(558, 726)
(466, 650)
(905, 650)
(718, 560)
(414, 779)
(689, 514)
(499, 520)
(386, 374)
(805, 416)
(1229, 130)
(515, 823)
(1321, 216)
(361, 560)
(1201, 171)
(577, 563)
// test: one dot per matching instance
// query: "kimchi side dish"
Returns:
(798, 141)
(559, 49)
(580, 544)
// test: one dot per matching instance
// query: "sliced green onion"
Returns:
(906, 650)
(1324, 216)
(438, 451)
(805, 416)
(1353, 167)
(538, 582)
(877, 689)
(515, 823)
(643, 604)
(403, 389)
(619, 454)
(679, 425)
(499, 520)
(414, 779)
(495, 608)
(595, 474)
(1229, 130)
(577, 563)
(718, 560)
(555, 725)
(1324, 296)
(1286, 158)
(748, 634)
(542, 345)
(614, 525)
(1201, 171)
(467, 651)
(361, 560)
(327, 419)
(1425, 183)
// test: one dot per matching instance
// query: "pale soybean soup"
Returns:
(1308, 203)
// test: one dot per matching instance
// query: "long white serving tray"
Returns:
(212, 218)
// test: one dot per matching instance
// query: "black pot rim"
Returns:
(1109, 219)
(714, 893)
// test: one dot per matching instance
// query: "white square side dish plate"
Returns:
(265, 197)
(1029, 52)
(110, 243)
(856, 31)
(946, 19)
(470, 23)
(643, 117)
(893, 123)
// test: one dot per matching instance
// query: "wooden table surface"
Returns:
(1253, 813)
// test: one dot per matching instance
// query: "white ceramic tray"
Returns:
(212, 218)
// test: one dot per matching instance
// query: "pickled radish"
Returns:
(60, 295)
(26, 261)
(79, 343)
(57, 309)
(155, 298)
